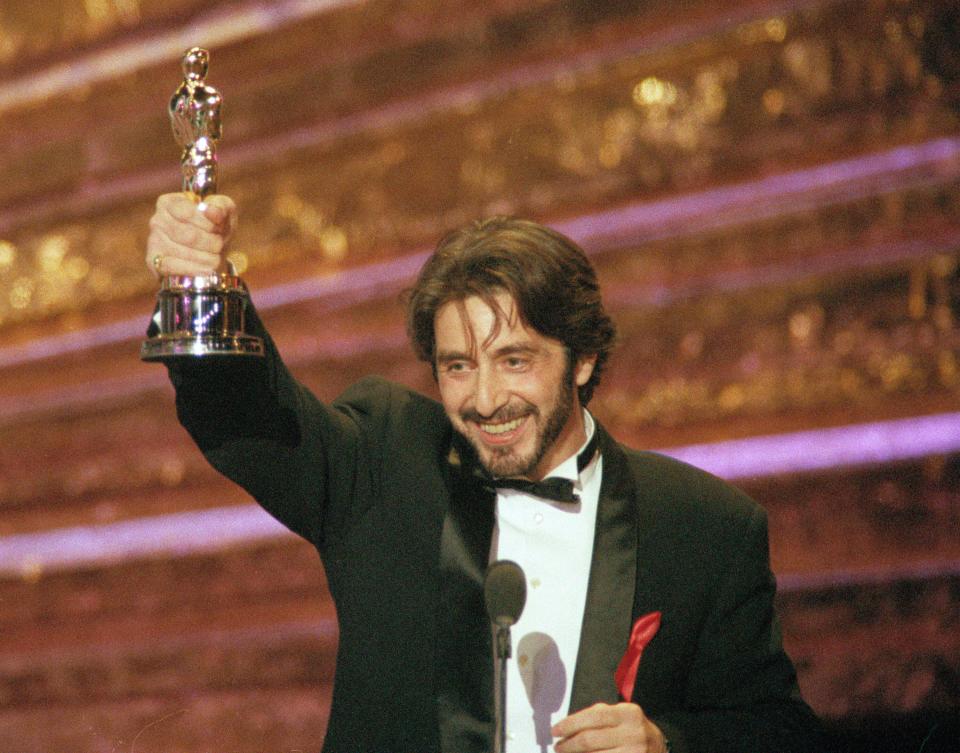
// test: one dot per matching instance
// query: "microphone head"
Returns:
(505, 592)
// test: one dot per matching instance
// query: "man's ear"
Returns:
(583, 369)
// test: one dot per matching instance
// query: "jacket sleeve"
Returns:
(741, 693)
(268, 433)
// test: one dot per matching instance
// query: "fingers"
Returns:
(597, 716)
(187, 238)
(623, 727)
(167, 257)
(221, 212)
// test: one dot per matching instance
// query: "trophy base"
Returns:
(199, 317)
(163, 347)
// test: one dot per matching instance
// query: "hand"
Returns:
(185, 240)
(623, 728)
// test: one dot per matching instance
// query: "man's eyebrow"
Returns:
(445, 356)
(520, 348)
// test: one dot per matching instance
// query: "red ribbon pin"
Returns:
(643, 631)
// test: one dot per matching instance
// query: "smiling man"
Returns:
(408, 500)
(507, 388)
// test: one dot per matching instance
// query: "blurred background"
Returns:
(769, 189)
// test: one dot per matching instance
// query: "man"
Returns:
(408, 500)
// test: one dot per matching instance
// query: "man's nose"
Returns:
(491, 394)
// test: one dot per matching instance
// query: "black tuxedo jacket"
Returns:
(404, 535)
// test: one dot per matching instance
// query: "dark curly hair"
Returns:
(547, 274)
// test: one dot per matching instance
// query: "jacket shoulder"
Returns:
(392, 408)
(681, 490)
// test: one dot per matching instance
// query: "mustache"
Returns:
(501, 415)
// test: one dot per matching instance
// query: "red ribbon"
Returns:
(643, 631)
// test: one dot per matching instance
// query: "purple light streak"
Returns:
(865, 577)
(203, 531)
(174, 535)
(338, 291)
(821, 449)
(636, 223)
(786, 193)
(225, 26)
(218, 28)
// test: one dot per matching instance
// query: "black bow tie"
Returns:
(554, 488)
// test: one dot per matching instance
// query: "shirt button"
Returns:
(535, 583)
(538, 518)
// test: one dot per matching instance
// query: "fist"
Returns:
(187, 238)
(622, 728)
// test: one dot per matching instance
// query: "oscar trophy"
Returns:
(201, 315)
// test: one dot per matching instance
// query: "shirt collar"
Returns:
(568, 468)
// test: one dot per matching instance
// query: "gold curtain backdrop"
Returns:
(770, 192)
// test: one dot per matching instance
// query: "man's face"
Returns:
(507, 389)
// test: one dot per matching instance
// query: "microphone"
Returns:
(505, 593)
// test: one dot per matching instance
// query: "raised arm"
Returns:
(251, 419)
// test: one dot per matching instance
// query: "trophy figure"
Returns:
(201, 315)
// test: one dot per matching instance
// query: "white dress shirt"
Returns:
(553, 543)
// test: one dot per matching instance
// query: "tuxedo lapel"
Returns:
(656, 563)
(610, 592)
(465, 655)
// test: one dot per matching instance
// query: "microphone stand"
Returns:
(505, 592)
(500, 710)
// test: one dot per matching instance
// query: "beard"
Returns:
(508, 461)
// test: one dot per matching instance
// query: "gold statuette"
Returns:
(202, 315)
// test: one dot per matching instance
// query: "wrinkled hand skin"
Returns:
(190, 238)
(622, 728)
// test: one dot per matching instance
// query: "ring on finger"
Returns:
(157, 262)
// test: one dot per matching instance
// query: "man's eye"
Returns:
(516, 363)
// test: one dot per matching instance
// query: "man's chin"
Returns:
(498, 462)
(502, 464)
